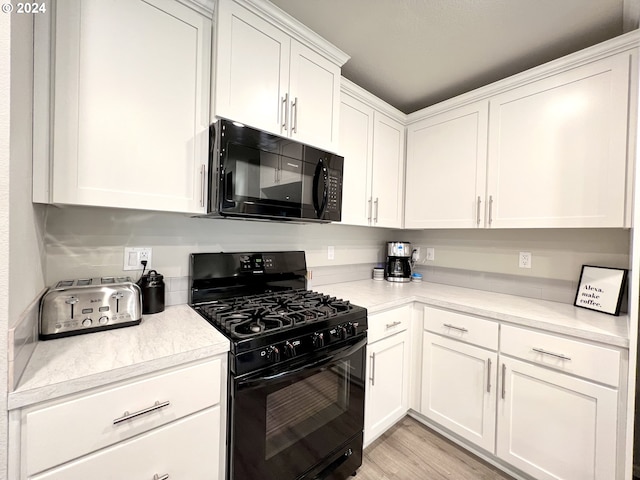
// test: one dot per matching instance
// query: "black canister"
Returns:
(152, 286)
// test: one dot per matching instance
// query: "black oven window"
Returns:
(301, 408)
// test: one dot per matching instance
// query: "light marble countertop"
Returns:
(72, 364)
(553, 317)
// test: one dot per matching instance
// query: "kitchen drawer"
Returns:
(72, 428)
(594, 362)
(170, 450)
(384, 324)
(474, 330)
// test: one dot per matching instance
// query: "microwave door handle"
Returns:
(340, 354)
(320, 173)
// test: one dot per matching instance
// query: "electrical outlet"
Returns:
(431, 253)
(133, 257)
(524, 260)
(415, 255)
(331, 252)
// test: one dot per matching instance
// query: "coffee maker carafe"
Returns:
(398, 266)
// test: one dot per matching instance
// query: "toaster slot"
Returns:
(83, 282)
(64, 283)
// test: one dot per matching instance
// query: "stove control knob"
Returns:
(273, 354)
(289, 350)
(342, 332)
(318, 340)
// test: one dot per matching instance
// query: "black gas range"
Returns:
(296, 383)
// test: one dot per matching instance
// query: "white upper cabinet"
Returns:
(446, 169)
(372, 143)
(558, 149)
(547, 148)
(131, 106)
(270, 77)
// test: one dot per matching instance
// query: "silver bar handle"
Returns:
(490, 209)
(144, 411)
(161, 477)
(294, 115)
(460, 329)
(488, 375)
(504, 377)
(551, 354)
(203, 172)
(372, 377)
(285, 111)
(375, 218)
(478, 211)
(394, 324)
(370, 210)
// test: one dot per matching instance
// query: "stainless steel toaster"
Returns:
(73, 307)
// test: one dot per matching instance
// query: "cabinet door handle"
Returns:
(551, 354)
(490, 209)
(285, 111)
(370, 210)
(504, 377)
(460, 329)
(478, 211)
(294, 115)
(488, 375)
(203, 173)
(394, 324)
(144, 411)
(375, 218)
(373, 369)
(161, 477)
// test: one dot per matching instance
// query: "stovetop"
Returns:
(256, 315)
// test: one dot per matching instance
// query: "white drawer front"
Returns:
(188, 448)
(64, 431)
(598, 363)
(476, 331)
(383, 324)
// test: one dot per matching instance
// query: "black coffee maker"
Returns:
(398, 265)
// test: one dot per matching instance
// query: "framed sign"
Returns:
(601, 289)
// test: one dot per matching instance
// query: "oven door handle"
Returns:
(335, 357)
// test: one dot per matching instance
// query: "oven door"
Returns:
(294, 423)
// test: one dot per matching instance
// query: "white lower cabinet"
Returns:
(167, 423)
(459, 388)
(181, 449)
(554, 426)
(387, 389)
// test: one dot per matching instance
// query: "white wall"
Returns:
(84, 241)
(556, 253)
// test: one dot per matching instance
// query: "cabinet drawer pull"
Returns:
(394, 324)
(203, 178)
(488, 375)
(478, 211)
(504, 377)
(129, 416)
(373, 369)
(375, 218)
(161, 477)
(490, 209)
(551, 354)
(460, 329)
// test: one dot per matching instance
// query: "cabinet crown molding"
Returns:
(627, 41)
(296, 29)
(205, 7)
(356, 91)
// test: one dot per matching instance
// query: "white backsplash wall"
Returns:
(85, 241)
(557, 254)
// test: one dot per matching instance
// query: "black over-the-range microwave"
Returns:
(253, 174)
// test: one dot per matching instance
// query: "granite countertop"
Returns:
(179, 335)
(69, 365)
(553, 317)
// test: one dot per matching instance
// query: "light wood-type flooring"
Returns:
(411, 451)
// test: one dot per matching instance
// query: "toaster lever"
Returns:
(117, 296)
(71, 301)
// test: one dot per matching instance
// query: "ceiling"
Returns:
(415, 53)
